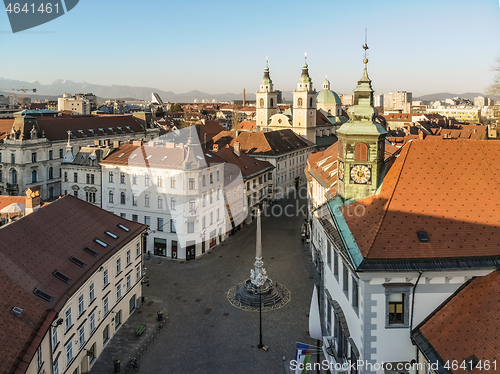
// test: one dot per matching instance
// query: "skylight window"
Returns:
(164, 158)
(121, 155)
(423, 237)
(199, 157)
(61, 276)
(134, 155)
(43, 295)
(112, 235)
(208, 155)
(147, 158)
(77, 261)
(100, 242)
(90, 251)
(125, 228)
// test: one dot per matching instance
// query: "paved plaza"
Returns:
(203, 332)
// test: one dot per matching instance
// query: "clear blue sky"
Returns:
(220, 46)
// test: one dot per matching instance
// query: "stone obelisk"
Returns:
(258, 275)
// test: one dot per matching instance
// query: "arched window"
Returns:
(1, 176)
(311, 102)
(13, 177)
(160, 202)
(146, 200)
(110, 197)
(361, 152)
(272, 103)
(261, 103)
(172, 203)
(122, 198)
(299, 102)
(51, 173)
(33, 176)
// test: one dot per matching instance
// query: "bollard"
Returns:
(117, 366)
(160, 316)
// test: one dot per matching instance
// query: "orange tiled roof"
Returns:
(322, 166)
(248, 165)
(467, 324)
(448, 188)
(400, 117)
(247, 126)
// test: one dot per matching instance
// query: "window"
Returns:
(110, 177)
(217, 175)
(192, 207)
(134, 179)
(146, 200)
(33, 157)
(105, 334)
(118, 266)
(61, 155)
(67, 319)
(190, 227)
(160, 202)
(128, 257)
(397, 304)
(91, 293)
(172, 226)
(138, 249)
(92, 322)
(51, 156)
(134, 199)
(55, 340)
(81, 306)
(33, 176)
(123, 215)
(172, 203)
(39, 358)
(355, 292)
(51, 173)
(361, 152)
(129, 281)
(160, 224)
(105, 305)
(160, 181)
(55, 368)
(299, 102)
(336, 265)
(191, 183)
(105, 279)
(138, 272)
(135, 218)
(261, 103)
(118, 292)
(204, 181)
(203, 223)
(146, 180)
(122, 178)
(12, 158)
(329, 254)
(81, 336)
(172, 182)
(110, 197)
(75, 177)
(69, 352)
(122, 198)
(345, 277)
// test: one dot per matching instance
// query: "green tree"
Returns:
(235, 119)
(176, 108)
(159, 112)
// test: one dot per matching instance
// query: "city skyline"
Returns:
(180, 48)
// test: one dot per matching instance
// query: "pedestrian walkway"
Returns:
(125, 343)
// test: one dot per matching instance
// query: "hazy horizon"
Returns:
(423, 47)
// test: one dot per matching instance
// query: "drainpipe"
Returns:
(420, 272)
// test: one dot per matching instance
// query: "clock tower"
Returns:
(361, 145)
(304, 106)
(266, 103)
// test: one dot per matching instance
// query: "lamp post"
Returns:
(261, 345)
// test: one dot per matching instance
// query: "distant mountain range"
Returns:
(58, 87)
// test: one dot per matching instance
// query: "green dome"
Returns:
(328, 97)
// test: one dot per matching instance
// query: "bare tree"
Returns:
(494, 88)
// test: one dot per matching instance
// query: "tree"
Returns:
(494, 88)
(159, 112)
(235, 119)
(176, 108)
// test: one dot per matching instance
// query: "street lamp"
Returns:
(261, 345)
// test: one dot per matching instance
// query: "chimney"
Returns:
(96, 143)
(116, 144)
(420, 134)
(215, 148)
(244, 101)
(137, 143)
(170, 145)
(237, 148)
(151, 143)
(32, 199)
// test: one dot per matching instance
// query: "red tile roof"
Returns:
(248, 165)
(5, 127)
(35, 246)
(400, 117)
(322, 166)
(468, 324)
(448, 188)
(247, 126)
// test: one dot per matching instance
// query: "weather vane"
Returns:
(365, 47)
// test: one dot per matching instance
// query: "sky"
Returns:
(220, 46)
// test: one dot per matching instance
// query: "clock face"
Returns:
(261, 112)
(361, 174)
(341, 170)
(299, 112)
(311, 113)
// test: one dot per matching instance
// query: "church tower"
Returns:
(304, 106)
(361, 145)
(266, 102)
